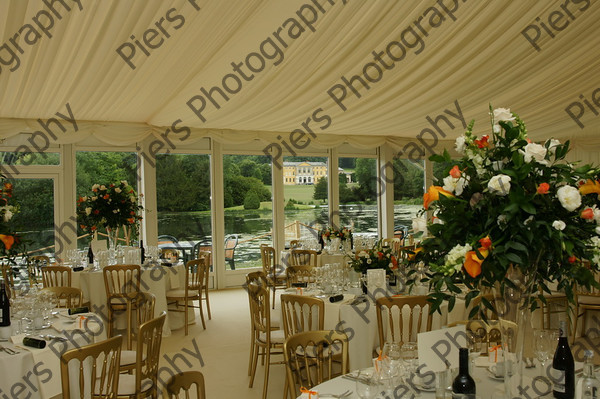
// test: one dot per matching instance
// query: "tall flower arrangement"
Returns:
(9, 239)
(510, 204)
(345, 233)
(109, 206)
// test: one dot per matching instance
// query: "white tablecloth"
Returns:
(157, 280)
(36, 372)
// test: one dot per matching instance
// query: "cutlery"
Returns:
(8, 350)
(335, 396)
(49, 337)
(356, 378)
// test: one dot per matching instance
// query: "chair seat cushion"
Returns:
(277, 337)
(128, 358)
(181, 294)
(127, 384)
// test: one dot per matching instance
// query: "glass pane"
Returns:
(409, 183)
(35, 216)
(28, 158)
(248, 208)
(358, 195)
(306, 196)
(102, 167)
(183, 197)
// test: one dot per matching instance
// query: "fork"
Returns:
(8, 350)
(336, 396)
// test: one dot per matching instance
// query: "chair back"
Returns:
(184, 381)
(97, 377)
(309, 358)
(268, 256)
(396, 326)
(301, 314)
(260, 309)
(230, 243)
(8, 277)
(200, 247)
(299, 274)
(148, 351)
(303, 257)
(56, 276)
(121, 280)
(393, 243)
(196, 271)
(66, 297)
(256, 278)
(207, 256)
(146, 305)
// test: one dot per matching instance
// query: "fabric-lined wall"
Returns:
(273, 67)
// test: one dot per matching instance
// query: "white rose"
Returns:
(501, 220)
(528, 220)
(124, 182)
(369, 261)
(533, 151)
(95, 186)
(596, 214)
(88, 210)
(115, 211)
(559, 225)
(132, 198)
(117, 190)
(460, 144)
(499, 185)
(103, 187)
(437, 220)
(8, 215)
(419, 224)
(552, 146)
(454, 185)
(84, 198)
(598, 230)
(503, 114)
(94, 198)
(569, 197)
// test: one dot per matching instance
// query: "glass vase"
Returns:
(113, 235)
(516, 329)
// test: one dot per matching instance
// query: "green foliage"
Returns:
(291, 205)
(252, 201)
(321, 189)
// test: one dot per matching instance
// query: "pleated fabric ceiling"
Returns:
(364, 72)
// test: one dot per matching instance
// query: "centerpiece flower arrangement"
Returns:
(377, 257)
(110, 206)
(328, 233)
(9, 240)
(510, 205)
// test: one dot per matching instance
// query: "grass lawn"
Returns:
(301, 193)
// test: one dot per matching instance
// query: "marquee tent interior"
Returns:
(129, 69)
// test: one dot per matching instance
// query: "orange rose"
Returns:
(433, 194)
(7, 240)
(590, 187)
(588, 214)
(543, 188)
(455, 172)
(416, 251)
(473, 263)
(486, 242)
(572, 259)
(106, 196)
(130, 220)
(483, 142)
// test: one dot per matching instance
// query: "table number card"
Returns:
(441, 346)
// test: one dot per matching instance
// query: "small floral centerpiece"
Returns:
(9, 239)
(110, 206)
(510, 205)
(328, 233)
(377, 257)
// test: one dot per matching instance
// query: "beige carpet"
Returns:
(224, 349)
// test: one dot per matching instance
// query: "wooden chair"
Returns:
(299, 274)
(303, 257)
(207, 256)
(56, 276)
(264, 337)
(394, 243)
(143, 382)
(122, 285)
(34, 268)
(231, 242)
(275, 277)
(146, 303)
(309, 358)
(184, 381)
(195, 278)
(8, 276)
(98, 378)
(585, 299)
(67, 297)
(301, 314)
(294, 244)
(394, 326)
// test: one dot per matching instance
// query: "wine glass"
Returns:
(367, 384)
(545, 343)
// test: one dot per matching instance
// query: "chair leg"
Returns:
(254, 364)
(274, 288)
(267, 361)
(109, 332)
(207, 302)
(201, 313)
(128, 325)
(251, 350)
(185, 317)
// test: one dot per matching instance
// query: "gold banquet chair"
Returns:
(585, 300)
(184, 381)
(390, 319)
(56, 276)
(66, 297)
(207, 256)
(303, 257)
(301, 314)
(299, 274)
(275, 278)
(143, 382)
(256, 278)
(195, 278)
(146, 305)
(97, 372)
(309, 358)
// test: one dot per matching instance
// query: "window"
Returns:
(358, 194)
(409, 183)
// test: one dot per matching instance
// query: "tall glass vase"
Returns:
(113, 235)
(516, 329)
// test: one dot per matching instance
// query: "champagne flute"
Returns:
(545, 343)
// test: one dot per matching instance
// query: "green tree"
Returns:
(252, 201)
(366, 176)
(320, 188)
(409, 179)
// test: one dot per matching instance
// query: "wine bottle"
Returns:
(142, 252)
(563, 367)
(4, 307)
(588, 387)
(463, 386)
(90, 256)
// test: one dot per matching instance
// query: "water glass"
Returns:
(367, 384)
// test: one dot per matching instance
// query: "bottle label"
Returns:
(558, 379)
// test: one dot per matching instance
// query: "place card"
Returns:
(438, 350)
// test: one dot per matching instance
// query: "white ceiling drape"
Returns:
(472, 56)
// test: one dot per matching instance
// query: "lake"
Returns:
(253, 227)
